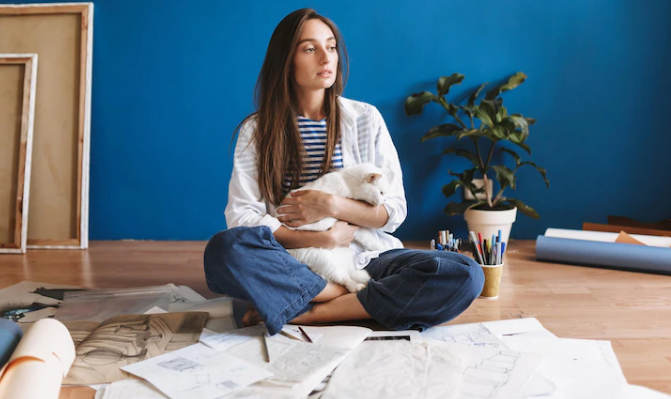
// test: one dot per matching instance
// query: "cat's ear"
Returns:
(373, 177)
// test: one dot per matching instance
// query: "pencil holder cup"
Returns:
(492, 281)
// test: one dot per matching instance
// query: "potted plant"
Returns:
(489, 128)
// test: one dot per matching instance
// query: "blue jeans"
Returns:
(409, 289)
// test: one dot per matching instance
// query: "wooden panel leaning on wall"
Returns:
(18, 73)
(61, 34)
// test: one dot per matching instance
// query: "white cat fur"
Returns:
(362, 182)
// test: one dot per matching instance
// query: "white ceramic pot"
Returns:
(489, 223)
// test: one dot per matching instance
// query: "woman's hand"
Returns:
(342, 234)
(305, 207)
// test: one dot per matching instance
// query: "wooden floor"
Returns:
(632, 310)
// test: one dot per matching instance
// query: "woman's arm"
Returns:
(309, 206)
(340, 235)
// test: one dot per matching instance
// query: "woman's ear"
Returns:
(372, 177)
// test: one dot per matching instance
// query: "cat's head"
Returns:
(372, 184)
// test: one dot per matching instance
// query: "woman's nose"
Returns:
(326, 57)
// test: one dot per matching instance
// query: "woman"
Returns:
(301, 130)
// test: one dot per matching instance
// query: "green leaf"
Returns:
(513, 81)
(463, 153)
(416, 102)
(470, 133)
(516, 138)
(527, 210)
(512, 153)
(465, 176)
(445, 82)
(520, 122)
(505, 176)
(468, 110)
(446, 130)
(540, 170)
(455, 208)
(451, 188)
(486, 112)
(475, 94)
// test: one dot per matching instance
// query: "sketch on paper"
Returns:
(129, 339)
(476, 335)
(483, 380)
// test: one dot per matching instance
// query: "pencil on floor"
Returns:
(307, 337)
(265, 346)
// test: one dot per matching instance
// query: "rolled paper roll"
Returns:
(40, 362)
(10, 335)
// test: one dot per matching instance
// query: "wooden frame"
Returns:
(62, 35)
(18, 193)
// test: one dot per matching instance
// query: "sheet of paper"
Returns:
(130, 388)
(638, 392)
(21, 304)
(491, 373)
(396, 369)
(197, 372)
(654, 241)
(224, 341)
(128, 339)
(347, 337)
(47, 352)
(296, 366)
(475, 334)
(571, 368)
(529, 327)
(294, 332)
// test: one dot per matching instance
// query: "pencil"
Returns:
(305, 334)
(265, 348)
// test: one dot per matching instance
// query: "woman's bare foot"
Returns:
(251, 318)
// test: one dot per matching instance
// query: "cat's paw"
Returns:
(354, 286)
(360, 276)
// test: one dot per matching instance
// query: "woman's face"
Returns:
(316, 59)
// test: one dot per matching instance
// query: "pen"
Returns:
(499, 258)
(265, 347)
(305, 334)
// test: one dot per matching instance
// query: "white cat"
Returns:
(362, 182)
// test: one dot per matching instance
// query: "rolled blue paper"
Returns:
(10, 335)
(604, 254)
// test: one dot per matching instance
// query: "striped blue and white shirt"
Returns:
(314, 139)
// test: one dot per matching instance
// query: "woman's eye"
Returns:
(333, 48)
(309, 50)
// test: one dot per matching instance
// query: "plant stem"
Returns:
(454, 114)
(484, 173)
(487, 194)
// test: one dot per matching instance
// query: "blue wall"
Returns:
(171, 80)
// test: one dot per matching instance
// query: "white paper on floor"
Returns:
(197, 371)
(528, 327)
(571, 368)
(224, 341)
(396, 369)
(494, 373)
(475, 334)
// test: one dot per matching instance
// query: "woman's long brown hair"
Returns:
(278, 142)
